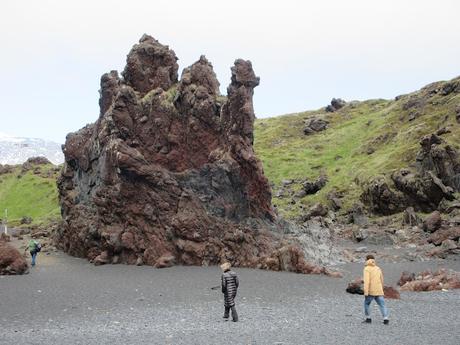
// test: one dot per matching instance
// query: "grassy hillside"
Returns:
(364, 139)
(31, 193)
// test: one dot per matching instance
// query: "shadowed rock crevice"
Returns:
(168, 174)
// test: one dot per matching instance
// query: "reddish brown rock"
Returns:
(433, 222)
(406, 277)
(356, 287)
(391, 293)
(150, 65)
(444, 234)
(11, 261)
(431, 281)
(168, 175)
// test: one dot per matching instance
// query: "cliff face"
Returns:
(167, 174)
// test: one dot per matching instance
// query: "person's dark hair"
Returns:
(370, 256)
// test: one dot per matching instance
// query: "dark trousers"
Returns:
(234, 313)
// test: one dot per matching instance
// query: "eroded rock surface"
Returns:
(167, 174)
(11, 260)
(430, 281)
(434, 181)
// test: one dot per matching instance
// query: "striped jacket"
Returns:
(229, 287)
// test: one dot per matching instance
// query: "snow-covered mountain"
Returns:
(16, 150)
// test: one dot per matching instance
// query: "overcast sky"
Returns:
(305, 52)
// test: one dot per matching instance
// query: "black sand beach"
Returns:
(65, 300)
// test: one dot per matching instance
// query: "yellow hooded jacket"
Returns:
(373, 279)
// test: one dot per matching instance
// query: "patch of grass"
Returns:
(343, 151)
(29, 195)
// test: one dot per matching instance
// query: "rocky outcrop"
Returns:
(441, 279)
(6, 169)
(436, 178)
(167, 174)
(314, 125)
(11, 260)
(336, 104)
(441, 235)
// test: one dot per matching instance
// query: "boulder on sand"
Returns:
(432, 281)
(433, 222)
(356, 287)
(11, 260)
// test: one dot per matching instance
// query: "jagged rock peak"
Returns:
(110, 83)
(201, 73)
(150, 65)
(243, 74)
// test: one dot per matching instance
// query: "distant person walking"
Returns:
(34, 248)
(230, 285)
(373, 289)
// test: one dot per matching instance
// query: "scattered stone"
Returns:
(336, 104)
(334, 200)
(448, 206)
(166, 260)
(433, 222)
(312, 187)
(443, 130)
(314, 125)
(433, 281)
(356, 287)
(102, 259)
(378, 237)
(357, 215)
(26, 220)
(318, 210)
(406, 277)
(391, 293)
(449, 244)
(360, 234)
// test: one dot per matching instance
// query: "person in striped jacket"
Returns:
(230, 285)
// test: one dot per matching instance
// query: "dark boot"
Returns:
(234, 314)
(226, 312)
(386, 322)
(368, 320)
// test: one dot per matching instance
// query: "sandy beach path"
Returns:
(65, 300)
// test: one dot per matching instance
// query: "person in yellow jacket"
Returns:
(373, 289)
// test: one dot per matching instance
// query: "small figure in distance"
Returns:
(373, 289)
(34, 248)
(230, 285)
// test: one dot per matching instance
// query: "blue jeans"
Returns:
(34, 256)
(380, 301)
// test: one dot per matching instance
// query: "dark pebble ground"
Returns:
(68, 301)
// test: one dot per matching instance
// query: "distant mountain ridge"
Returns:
(16, 150)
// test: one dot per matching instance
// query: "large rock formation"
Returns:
(11, 260)
(167, 174)
(436, 178)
